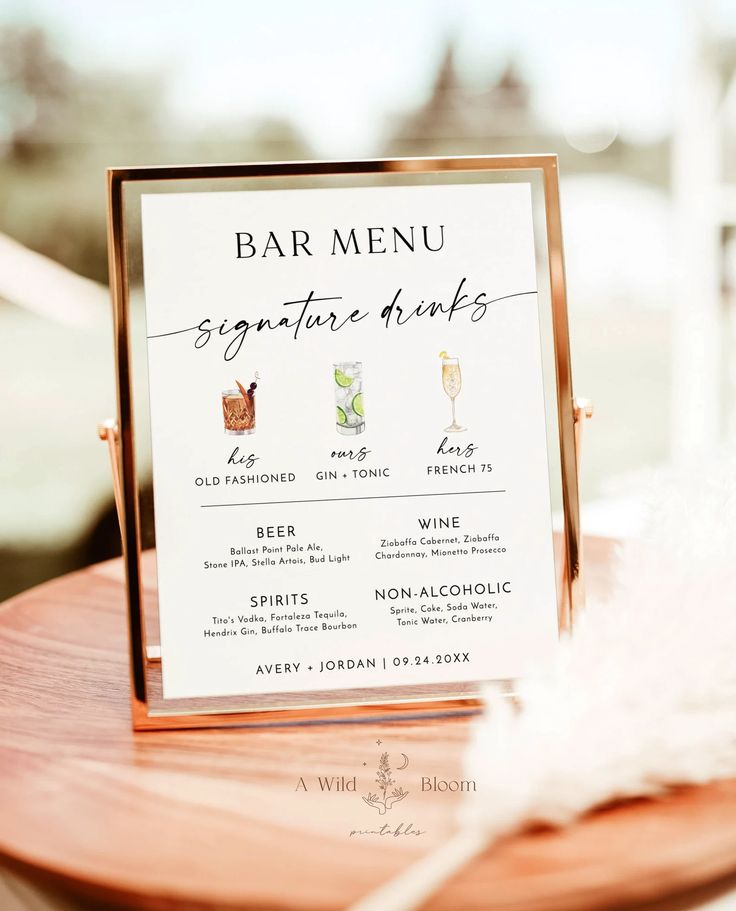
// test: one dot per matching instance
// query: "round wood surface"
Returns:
(211, 819)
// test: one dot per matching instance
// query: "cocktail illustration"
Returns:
(350, 416)
(452, 382)
(239, 409)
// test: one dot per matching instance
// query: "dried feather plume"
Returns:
(642, 698)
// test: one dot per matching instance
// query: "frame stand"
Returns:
(582, 410)
(107, 431)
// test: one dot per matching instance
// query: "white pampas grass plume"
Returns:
(643, 695)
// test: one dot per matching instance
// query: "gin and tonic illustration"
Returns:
(348, 381)
(239, 409)
(452, 382)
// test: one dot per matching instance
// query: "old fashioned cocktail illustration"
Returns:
(348, 382)
(239, 409)
(452, 382)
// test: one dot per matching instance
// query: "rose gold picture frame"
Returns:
(149, 710)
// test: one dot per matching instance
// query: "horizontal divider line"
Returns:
(393, 496)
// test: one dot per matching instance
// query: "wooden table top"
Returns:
(211, 819)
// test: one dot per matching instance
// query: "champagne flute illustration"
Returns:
(452, 382)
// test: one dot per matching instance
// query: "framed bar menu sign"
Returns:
(348, 387)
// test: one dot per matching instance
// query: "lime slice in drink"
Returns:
(343, 380)
(342, 418)
(358, 404)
